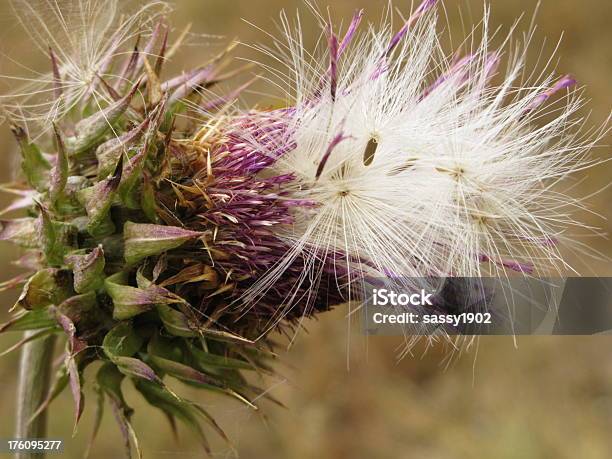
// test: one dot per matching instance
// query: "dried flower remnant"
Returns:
(85, 42)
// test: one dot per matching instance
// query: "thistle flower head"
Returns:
(166, 234)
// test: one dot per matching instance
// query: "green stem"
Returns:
(34, 377)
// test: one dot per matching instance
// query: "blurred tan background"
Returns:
(545, 397)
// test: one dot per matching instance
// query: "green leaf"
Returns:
(98, 200)
(109, 379)
(207, 359)
(67, 202)
(74, 378)
(39, 334)
(35, 166)
(60, 382)
(131, 366)
(184, 372)
(91, 130)
(76, 307)
(110, 152)
(154, 90)
(167, 358)
(59, 173)
(88, 269)
(46, 287)
(29, 320)
(122, 340)
(182, 410)
(133, 169)
(175, 322)
(164, 356)
(55, 238)
(75, 346)
(143, 240)
(148, 201)
(130, 301)
(222, 335)
(20, 231)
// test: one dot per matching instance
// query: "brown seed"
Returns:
(370, 151)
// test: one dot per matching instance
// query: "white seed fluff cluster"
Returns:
(81, 38)
(421, 163)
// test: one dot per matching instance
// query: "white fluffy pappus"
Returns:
(420, 163)
(81, 39)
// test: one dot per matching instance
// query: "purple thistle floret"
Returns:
(350, 33)
(227, 193)
(565, 82)
(423, 8)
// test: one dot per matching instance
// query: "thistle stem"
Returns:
(34, 376)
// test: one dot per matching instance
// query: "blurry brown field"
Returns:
(546, 397)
